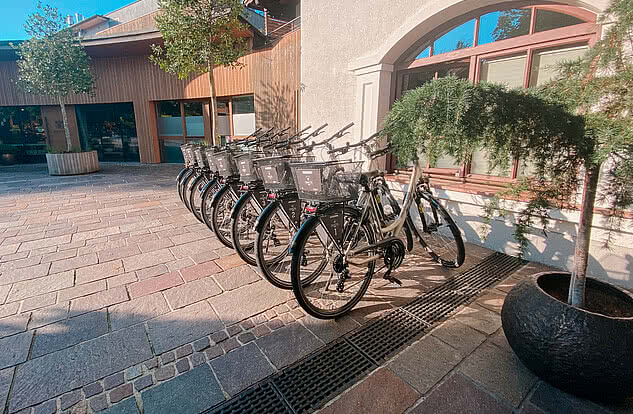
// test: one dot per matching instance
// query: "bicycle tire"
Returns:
(301, 290)
(206, 205)
(183, 185)
(188, 189)
(395, 207)
(242, 221)
(455, 255)
(197, 185)
(221, 215)
(275, 265)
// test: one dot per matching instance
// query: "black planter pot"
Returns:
(581, 352)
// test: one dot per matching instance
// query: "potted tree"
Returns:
(198, 36)
(577, 132)
(53, 63)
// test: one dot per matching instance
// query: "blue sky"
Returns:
(13, 13)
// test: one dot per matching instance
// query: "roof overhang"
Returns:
(90, 22)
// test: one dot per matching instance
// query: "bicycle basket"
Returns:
(275, 171)
(209, 154)
(225, 163)
(187, 154)
(329, 181)
(200, 157)
(246, 165)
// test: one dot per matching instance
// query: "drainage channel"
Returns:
(311, 382)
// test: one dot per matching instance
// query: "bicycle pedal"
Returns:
(392, 279)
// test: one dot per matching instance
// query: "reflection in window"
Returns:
(224, 123)
(22, 136)
(243, 115)
(425, 53)
(548, 20)
(460, 37)
(193, 119)
(169, 119)
(544, 63)
(504, 24)
(170, 151)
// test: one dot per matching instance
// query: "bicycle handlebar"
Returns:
(341, 132)
(349, 146)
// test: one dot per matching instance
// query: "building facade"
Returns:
(361, 59)
(140, 113)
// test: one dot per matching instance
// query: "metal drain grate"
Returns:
(261, 399)
(443, 300)
(309, 383)
(312, 381)
(386, 334)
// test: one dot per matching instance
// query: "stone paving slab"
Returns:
(15, 349)
(137, 310)
(241, 368)
(395, 396)
(182, 326)
(192, 392)
(5, 383)
(50, 375)
(246, 301)
(459, 395)
(54, 337)
(288, 344)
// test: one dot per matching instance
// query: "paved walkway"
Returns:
(114, 299)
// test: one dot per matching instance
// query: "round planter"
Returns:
(72, 163)
(581, 352)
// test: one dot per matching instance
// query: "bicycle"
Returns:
(345, 242)
(255, 196)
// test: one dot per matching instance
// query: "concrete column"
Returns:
(373, 89)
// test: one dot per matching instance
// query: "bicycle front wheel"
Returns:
(338, 286)
(242, 223)
(221, 217)
(439, 234)
(195, 196)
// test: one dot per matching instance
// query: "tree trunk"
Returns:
(578, 278)
(214, 108)
(69, 145)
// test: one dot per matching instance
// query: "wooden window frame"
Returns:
(584, 33)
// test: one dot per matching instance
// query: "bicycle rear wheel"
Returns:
(186, 189)
(242, 232)
(439, 235)
(337, 286)
(206, 207)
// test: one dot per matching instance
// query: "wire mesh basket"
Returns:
(200, 157)
(187, 154)
(209, 154)
(225, 163)
(246, 165)
(275, 171)
(328, 181)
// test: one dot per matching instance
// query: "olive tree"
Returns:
(199, 35)
(52, 62)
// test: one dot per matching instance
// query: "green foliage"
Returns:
(52, 62)
(197, 35)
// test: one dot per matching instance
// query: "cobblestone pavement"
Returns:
(114, 299)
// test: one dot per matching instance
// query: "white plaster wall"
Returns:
(347, 52)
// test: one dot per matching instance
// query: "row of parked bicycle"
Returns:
(316, 226)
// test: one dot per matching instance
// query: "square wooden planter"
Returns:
(72, 163)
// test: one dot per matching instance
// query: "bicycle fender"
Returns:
(243, 199)
(209, 184)
(216, 197)
(182, 173)
(299, 234)
(267, 211)
(186, 175)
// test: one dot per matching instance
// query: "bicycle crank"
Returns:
(393, 256)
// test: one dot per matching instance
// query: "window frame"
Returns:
(576, 35)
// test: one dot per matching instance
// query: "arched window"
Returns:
(519, 47)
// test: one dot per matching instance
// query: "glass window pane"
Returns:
(243, 124)
(193, 119)
(22, 135)
(224, 122)
(479, 165)
(169, 119)
(504, 24)
(424, 53)
(544, 63)
(507, 70)
(170, 151)
(446, 162)
(417, 79)
(548, 20)
(460, 37)
(244, 105)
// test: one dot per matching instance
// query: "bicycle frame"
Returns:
(370, 207)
